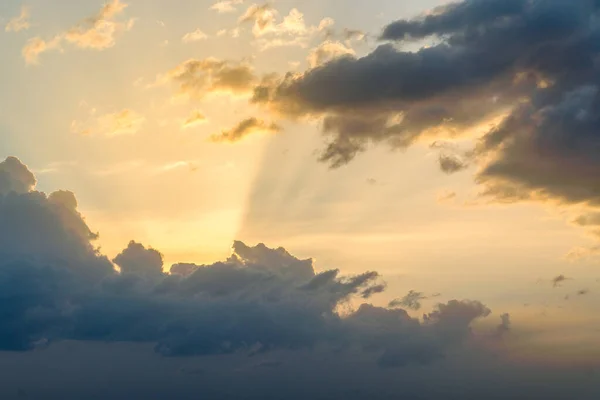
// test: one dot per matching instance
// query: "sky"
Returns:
(226, 188)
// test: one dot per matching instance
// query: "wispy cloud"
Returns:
(20, 22)
(198, 78)
(98, 32)
(124, 122)
(226, 6)
(291, 31)
(244, 128)
(328, 51)
(194, 36)
(194, 119)
(559, 280)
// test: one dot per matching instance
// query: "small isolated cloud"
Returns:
(451, 164)
(54, 167)
(194, 36)
(125, 122)
(244, 128)
(177, 165)
(194, 119)
(262, 16)
(411, 301)
(353, 35)
(270, 31)
(559, 280)
(328, 51)
(20, 22)
(445, 196)
(198, 78)
(98, 32)
(226, 6)
(583, 252)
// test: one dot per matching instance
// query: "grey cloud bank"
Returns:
(531, 64)
(260, 308)
(57, 286)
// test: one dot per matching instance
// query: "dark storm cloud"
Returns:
(534, 65)
(55, 285)
(548, 147)
(454, 17)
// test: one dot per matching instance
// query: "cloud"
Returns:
(20, 22)
(291, 31)
(194, 119)
(590, 219)
(98, 32)
(453, 18)
(451, 164)
(124, 122)
(214, 324)
(15, 177)
(530, 65)
(234, 32)
(326, 52)
(136, 259)
(446, 196)
(557, 281)
(351, 35)
(412, 301)
(504, 327)
(194, 36)
(385, 94)
(262, 16)
(244, 128)
(39, 228)
(226, 6)
(583, 252)
(258, 300)
(198, 78)
(36, 46)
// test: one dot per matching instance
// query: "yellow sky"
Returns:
(103, 110)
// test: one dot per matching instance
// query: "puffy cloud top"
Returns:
(137, 259)
(54, 285)
(15, 177)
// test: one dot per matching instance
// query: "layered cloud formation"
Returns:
(532, 65)
(55, 285)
